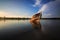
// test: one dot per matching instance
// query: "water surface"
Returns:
(26, 30)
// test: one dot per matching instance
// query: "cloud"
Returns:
(43, 8)
(37, 3)
(47, 15)
(41, 2)
(50, 9)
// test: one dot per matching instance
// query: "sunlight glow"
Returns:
(6, 14)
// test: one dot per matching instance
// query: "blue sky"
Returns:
(26, 8)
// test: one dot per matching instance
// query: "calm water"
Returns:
(26, 30)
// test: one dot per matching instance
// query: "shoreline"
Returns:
(28, 18)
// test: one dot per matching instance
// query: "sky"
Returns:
(27, 8)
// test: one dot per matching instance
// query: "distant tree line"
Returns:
(13, 18)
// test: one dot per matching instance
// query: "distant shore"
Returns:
(15, 18)
(23, 18)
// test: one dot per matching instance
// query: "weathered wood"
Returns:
(36, 17)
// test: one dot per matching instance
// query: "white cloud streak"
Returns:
(43, 8)
(37, 3)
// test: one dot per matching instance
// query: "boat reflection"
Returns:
(36, 24)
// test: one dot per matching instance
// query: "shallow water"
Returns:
(26, 30)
